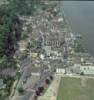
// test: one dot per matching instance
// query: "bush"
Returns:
(82, 73)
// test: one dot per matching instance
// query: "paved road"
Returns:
(25, 69)
(24, 97)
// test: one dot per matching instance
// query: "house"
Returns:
(22, 45)
(60, 69)
(86, 69)
(37, 71)
(55, 40)
(33, 54)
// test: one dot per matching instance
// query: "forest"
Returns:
(11, 27)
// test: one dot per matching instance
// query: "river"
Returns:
(80, 15)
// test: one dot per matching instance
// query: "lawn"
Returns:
(76, 89)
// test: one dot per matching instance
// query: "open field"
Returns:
(76, 89)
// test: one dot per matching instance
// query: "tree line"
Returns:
(11, 25)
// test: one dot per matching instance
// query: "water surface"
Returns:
(80, 15)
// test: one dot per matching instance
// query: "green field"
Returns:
(76, 89)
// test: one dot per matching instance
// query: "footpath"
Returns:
(52, 91)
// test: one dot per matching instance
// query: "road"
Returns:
(24, 97)
(25, 69)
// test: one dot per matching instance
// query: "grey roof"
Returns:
(61, 65)
(39, 69)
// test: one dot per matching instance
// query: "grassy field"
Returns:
(76, 89)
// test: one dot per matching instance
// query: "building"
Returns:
(55, 40)
(22, 45)
(60, 69)
(87, 69)
(33, 54)
(37, 71)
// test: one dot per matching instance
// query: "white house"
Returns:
(86, 69)
(60, 70)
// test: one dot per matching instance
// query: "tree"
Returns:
(47, 81)
(41, 89)
(3, 40)
(51, 77)
(8, 63)
(37, 93)
(35, 97)
(20, 90)
(30, 45)
(11, 25)
(8, 22)
(27, 7)
(82, 73)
